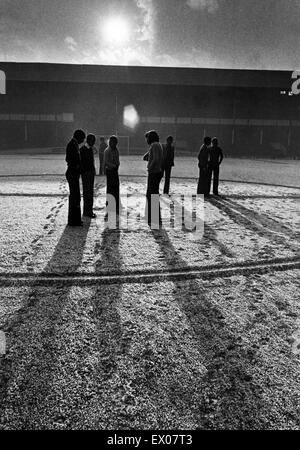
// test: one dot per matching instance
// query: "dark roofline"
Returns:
(146, 75)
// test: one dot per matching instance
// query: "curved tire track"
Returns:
(108, 278)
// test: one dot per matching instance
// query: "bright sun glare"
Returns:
(116, 31)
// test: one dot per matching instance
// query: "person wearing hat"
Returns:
(73, 175)
(154, 156)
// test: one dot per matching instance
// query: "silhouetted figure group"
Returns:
(210, 158)
(80, 162)
(160, 160)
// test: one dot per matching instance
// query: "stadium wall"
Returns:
(251, 112)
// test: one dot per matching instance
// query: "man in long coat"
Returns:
(73, 175)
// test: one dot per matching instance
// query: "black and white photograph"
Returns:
(149, 230)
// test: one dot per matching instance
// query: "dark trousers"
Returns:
(101, 168)
(167, 174)
(74, 216)
(153, 188)
(88, 192)
(203, 182)
(214, 171)
(113, 186)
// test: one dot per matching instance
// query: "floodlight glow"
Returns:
(130, 117)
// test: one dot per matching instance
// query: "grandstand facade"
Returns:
(252, 112)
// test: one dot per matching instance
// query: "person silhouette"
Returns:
(203, 160)
(111, 163)
(102, 147)
(215, 160)
(168, 162)
(88, 175)
(73, 175)
(154, 156)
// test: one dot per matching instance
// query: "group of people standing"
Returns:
(210, 158)
(81, 163)
(160, 160)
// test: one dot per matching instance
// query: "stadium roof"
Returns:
(145, 75)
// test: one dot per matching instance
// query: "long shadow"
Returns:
(112, 340)
(69, 250)
(210, 235)
(26, 369)
(239, 403)
(106, 302)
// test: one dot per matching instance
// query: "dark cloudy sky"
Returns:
(259, 34)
